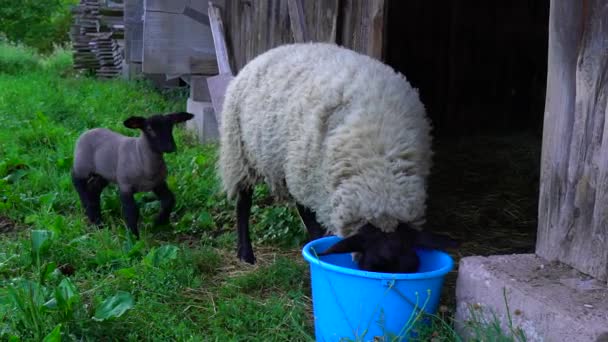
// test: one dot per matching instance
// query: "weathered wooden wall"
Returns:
(177, 38)
(134, 36)
(255, 26)
(573, 209)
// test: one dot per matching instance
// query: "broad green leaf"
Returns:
(161, 256)
(114, 306)
(54, 336)
(46, 271)
(66, 294)
(51, 304)
(41, 241)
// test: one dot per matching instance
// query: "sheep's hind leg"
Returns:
(130, 211)
(315, 230)
(95, 186)
(167, 203)
(89, 201)
(243, 210)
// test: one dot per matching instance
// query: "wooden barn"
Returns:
(468, 59)
(482, 68)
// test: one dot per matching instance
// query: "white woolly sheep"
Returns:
(344, 136)
(135, 164)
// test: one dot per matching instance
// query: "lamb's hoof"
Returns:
(246, 256)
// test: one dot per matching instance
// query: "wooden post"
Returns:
(573, 204)
(219, 42)
(218, 84)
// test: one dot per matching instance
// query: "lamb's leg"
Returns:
(95, 186)
(243, 210)
(315, 230)
(81, 187)
(130, 211)
(167, 202)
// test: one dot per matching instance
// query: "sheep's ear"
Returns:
(135, 122)
(351, 244)
(179, 117)
(435, 241)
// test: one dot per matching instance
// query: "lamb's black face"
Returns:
(389, 252)
(158, 129)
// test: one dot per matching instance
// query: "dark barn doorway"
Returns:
(480, 67)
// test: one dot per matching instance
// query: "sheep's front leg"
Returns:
(130, 211)
(167, 202)
(243, 210)
(315, 230)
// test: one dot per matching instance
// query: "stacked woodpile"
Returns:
(98, 37)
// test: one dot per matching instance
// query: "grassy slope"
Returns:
(200, 292)
(196, 291)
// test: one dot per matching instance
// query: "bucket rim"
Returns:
(440, 272)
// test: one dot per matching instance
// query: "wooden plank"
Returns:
(172, 6)
(175, 44)
(219, 43)
(363, 26)
(573, 207)
(298, 21)
(218, 84)
(377, 27)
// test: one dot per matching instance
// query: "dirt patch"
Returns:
(7, 225)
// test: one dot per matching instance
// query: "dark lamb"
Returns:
(136, 165)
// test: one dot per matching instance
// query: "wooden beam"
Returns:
(298, 21)
(217, 31)
(573, 203)
(218, 84)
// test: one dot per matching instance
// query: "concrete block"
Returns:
(199, 91)
(203, 124)
(549, 301)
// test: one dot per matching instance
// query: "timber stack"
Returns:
(98, 37)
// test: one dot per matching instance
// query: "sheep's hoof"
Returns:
(161, 221)
(246, 256)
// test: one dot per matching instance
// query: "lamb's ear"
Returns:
(135, 122)
(435, 241)
(351, 244)
(179, 117)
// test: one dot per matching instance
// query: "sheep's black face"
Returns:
(158, 129)
(389, 252)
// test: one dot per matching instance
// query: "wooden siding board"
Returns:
(573, 214)
(176, 44)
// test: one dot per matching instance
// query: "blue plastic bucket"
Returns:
(355, 305)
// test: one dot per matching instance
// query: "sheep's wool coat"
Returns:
(337, 131)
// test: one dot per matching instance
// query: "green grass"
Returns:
(61, 277)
